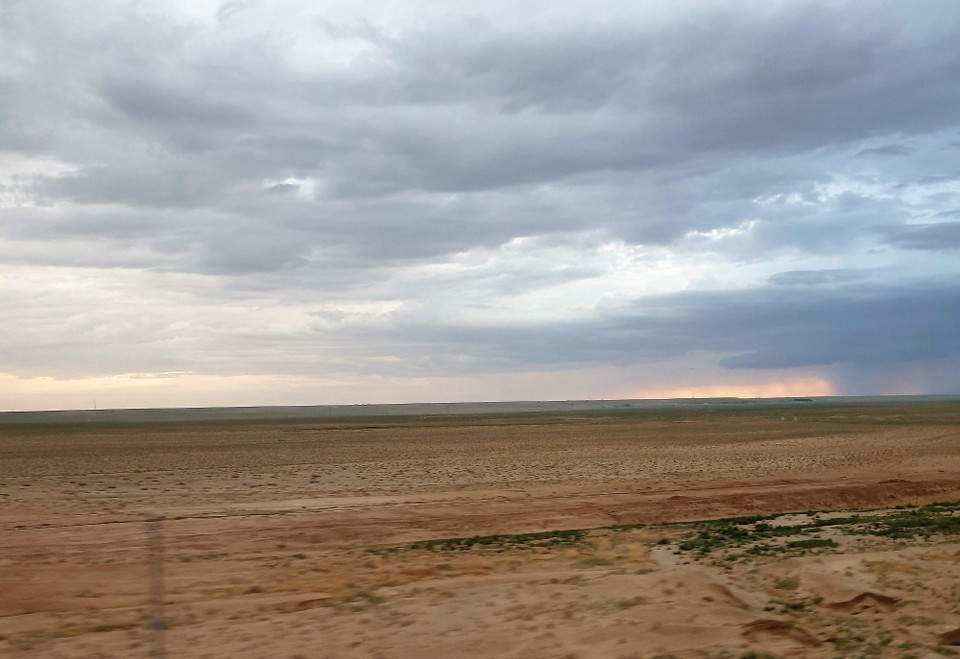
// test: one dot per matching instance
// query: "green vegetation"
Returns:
(761, 535)
(861, 641)
(630, 603)
(787, 583)
(501, 542)
(923, 522)
(755, 535)
(812, 543)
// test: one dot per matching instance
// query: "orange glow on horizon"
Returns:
(811, 386)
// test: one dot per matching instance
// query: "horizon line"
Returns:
(598, 403)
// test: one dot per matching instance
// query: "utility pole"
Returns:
(154, 522)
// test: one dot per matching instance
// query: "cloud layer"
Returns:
(362, 191)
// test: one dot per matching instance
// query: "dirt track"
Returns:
(269, 527)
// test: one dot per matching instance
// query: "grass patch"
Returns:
(736, 537)
(812, 543)
(595, 561)
(760, 535)
(787, 583)
(923, 522)
(630, 603)
(541, 540)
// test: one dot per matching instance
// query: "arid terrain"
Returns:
(540, 534)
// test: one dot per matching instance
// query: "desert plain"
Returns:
(789, 528)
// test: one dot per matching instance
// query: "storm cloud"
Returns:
(371, 191)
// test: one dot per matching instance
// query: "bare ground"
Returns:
(294, 539)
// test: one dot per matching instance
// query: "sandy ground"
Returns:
(299, 539)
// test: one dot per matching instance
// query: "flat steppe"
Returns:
(523, 534)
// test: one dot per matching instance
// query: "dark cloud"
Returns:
(815, 277)
(885, 150)
(860, 327)
(855, 324)
(940, 236)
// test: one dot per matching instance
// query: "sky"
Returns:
(320, 202)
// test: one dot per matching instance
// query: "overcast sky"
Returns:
(235, 203)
